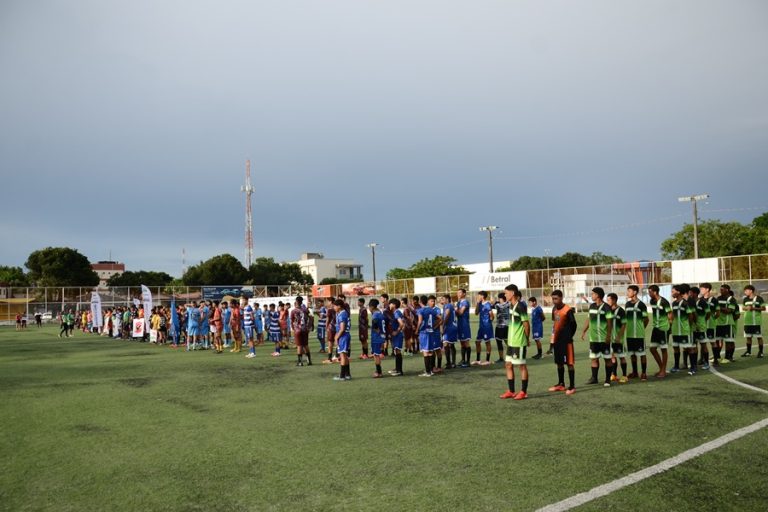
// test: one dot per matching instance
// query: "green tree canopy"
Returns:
(223, 269)
(140, 277)
(13, 276)
(568, 259)
(428, 267)
(336, 280)
(717, 238)
(266, 271)
(60, 266)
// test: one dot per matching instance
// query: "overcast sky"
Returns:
(125, 125)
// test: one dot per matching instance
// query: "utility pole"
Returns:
(490, 230)
(373, 246)
(694, 200)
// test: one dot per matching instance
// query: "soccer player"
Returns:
(617, 343)
(517, 344)
(362, 327)
(537, 324)
(484, 309)
(726, 307)
(397, 337)
(342, 339)
(216, 327)
(450, 331)
(661, 312)
(378, 333)
(248, 314)
(205, 325)
(300, 328)
(701, 314)
(330, 330)
(282, 321)
(753, 309)
(683, 316)
(501, 309)
(235, 324)
(258, 324)
(465, 333)
(321, 319)
(436, 339)
(275, 330)
(637, 321)
(564, 328)
(226, 329)
(711, 300)
(599, 326)
(409, 317)
(428, 322)
(193, 326)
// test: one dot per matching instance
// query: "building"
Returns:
(319, 267)
(577, 288)
(107, 269)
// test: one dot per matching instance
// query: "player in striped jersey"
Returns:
(321, 319)
(617, 343)
(637, 322)
(753, 309)
(248, 321)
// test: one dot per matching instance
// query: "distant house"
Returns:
(107, 269)
(319, 267)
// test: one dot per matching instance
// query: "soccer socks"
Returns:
(594, 373)
(525, 385)
(624, 368)
(477, 356)
(426, 364)
(608, 373)
(716, 352)
(634, 364)
(692, 366)
(439, 361)
(749, 348)
(511, 385)
(399, 362)
(487, 357)
(365, 351)
(572, 378)
(378, 369)
(253, 350)
(644, 366)
(453, 353)
(677, 359)
(432, 359)
(300, 360)
(560, 376)
(309, 355)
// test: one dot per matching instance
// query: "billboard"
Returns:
(218, 293)
(497, 280)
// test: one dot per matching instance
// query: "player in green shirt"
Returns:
(618, 327)
(753, 309)
(661, 313)
(600, 330)
(637, 321)
(707, 303)
(517, 343)
(724, 325)
(701, 312)
(682, 318)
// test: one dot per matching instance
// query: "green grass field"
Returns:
(92, 424)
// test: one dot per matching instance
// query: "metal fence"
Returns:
(575, 281)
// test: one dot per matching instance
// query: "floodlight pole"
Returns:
(373, 246)
(490, 230)
(694, 200)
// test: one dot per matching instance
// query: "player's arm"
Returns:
(400, 326)
(342, 330)
(608, 331)
(623, 330)
(439, 320)
(586, 328)
(573, 326)
(419, 322)
(527, 329)
(461, 310)
(376, 326)
(477, 308)
(760, 305)
(492, 314)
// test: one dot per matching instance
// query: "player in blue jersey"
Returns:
(275, 333)
(193, 326)
(378, 334)
(484, 309)
(342, 339)
(226, 329)
(428, 323)
(205, 326)
(462, 323)
(450, 331)
(258, 324)
(321, 319)
(436, 340)
(397, 336)
(248, 314)
(537, 325)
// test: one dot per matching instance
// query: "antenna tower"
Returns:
(248, 189)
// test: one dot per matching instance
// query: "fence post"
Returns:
(750, 268)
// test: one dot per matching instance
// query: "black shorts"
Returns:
(752, 330)
(710, 334)
(659, 337)
(723, 332)
(699, 336)
(617, 349)
(502, 333)
(636, 345)
(563, 353)
(599, 350)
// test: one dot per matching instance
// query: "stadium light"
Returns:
(694, 200)
(373, 246)
(490, 230)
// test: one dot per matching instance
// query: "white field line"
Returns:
(638, 476)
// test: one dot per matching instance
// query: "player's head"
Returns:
(404, 300)
(361, 302)
(725, 289)
(749, 290)
(598, 294)
(338, 305)
(461, 293)
(557, 298)
(423, 300)
(483, 296)
(613, 300)
(431, 301)
(653, 291)
(385, 297)
(706, 288)
(415, 300)
(502, 296)
(299, 300)
(632, 291)
(694, 292)
(532, 301)
(373, 304)
(677, 291)
(394, 304)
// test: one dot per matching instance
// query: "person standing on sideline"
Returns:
(363, 326)
(517, 344)
(563, 330)
(465, 332)
(753, 309)
(599, 326)
(300, 328)
(661, 311)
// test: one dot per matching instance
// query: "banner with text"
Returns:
(497, 280)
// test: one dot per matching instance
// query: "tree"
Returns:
(568, 259)
(13, 276)
(223, 269)
(140, 277)
(428, 267)
(60, 266)
(336, 280)
(716, 238)
(266, 271)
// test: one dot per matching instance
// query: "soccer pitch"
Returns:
(95, 424)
